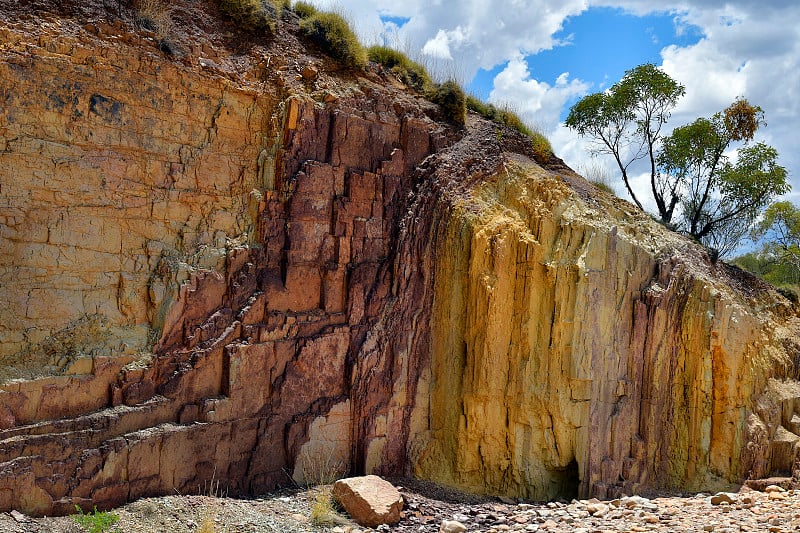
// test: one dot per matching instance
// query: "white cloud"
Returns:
(438, 47)
(748, 49)
(537, 102)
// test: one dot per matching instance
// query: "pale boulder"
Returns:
(369, 500)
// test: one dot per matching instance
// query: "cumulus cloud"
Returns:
(472, 34)
(539, 103)
(747, 49)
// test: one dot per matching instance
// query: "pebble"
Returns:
(775, 510)
(452, 526)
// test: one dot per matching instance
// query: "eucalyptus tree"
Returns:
(626, 122)
(697, 184)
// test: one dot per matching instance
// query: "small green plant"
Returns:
(598, 176)
(95, 521)
(603, 186)
(409, 72)
(332, 32)
(304, 10)
(250, 14)
(790, 292)
(451, 98)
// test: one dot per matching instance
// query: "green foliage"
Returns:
(96, 521)
(603, 186)
(626, 123)
(304, 10)
(715, 201)
(769, 268)
(502, 115)
(720, 199)
(250, 14)
(332, 32)
(790, 292)
(409, 72)
(779, 232)
(451, 98)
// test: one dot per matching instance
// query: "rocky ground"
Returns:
(428, 507)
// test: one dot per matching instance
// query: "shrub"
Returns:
(409, 72)
(250, 14)
(324, 509)
(304, 10)
(451, 98)
(332, 32)
(95, 522)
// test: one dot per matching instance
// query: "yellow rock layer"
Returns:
(572, 355)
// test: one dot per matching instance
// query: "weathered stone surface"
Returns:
(224, 276)
(452, 526)
(587, 356)
(369, 500)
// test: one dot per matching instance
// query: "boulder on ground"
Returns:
(369, 500)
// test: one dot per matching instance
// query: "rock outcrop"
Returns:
(217, 268)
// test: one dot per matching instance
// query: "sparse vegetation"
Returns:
(96, 521)
(451, 98)
(251, 14)
(333, 33)
(409, 72)
(155, 16)
(696, 187)
(542, 148)
(304, 10)
(501, 115)
(598, 176)
(323, 510)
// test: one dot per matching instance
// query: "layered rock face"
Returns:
(217, 269)
(578, 349)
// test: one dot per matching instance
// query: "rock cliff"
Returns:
(217, 267)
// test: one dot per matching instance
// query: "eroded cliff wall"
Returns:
(239, 262)
(578, 348)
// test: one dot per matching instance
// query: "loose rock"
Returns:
(369, 500)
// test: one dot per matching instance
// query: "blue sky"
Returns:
(540, 56)
(598, 46)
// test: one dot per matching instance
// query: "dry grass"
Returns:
(251, 15)
(154, 15)
(333, 33)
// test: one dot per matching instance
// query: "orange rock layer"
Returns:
(260, 280)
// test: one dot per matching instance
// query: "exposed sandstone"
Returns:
(228, 273)
(369, 500)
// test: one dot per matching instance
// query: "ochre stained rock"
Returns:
(217, 269)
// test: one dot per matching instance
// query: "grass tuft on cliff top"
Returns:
(501, 115)
(252, 15)
(451, 98)
(408, 71)
(333, 33)
(506, 116)
(304, 10)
